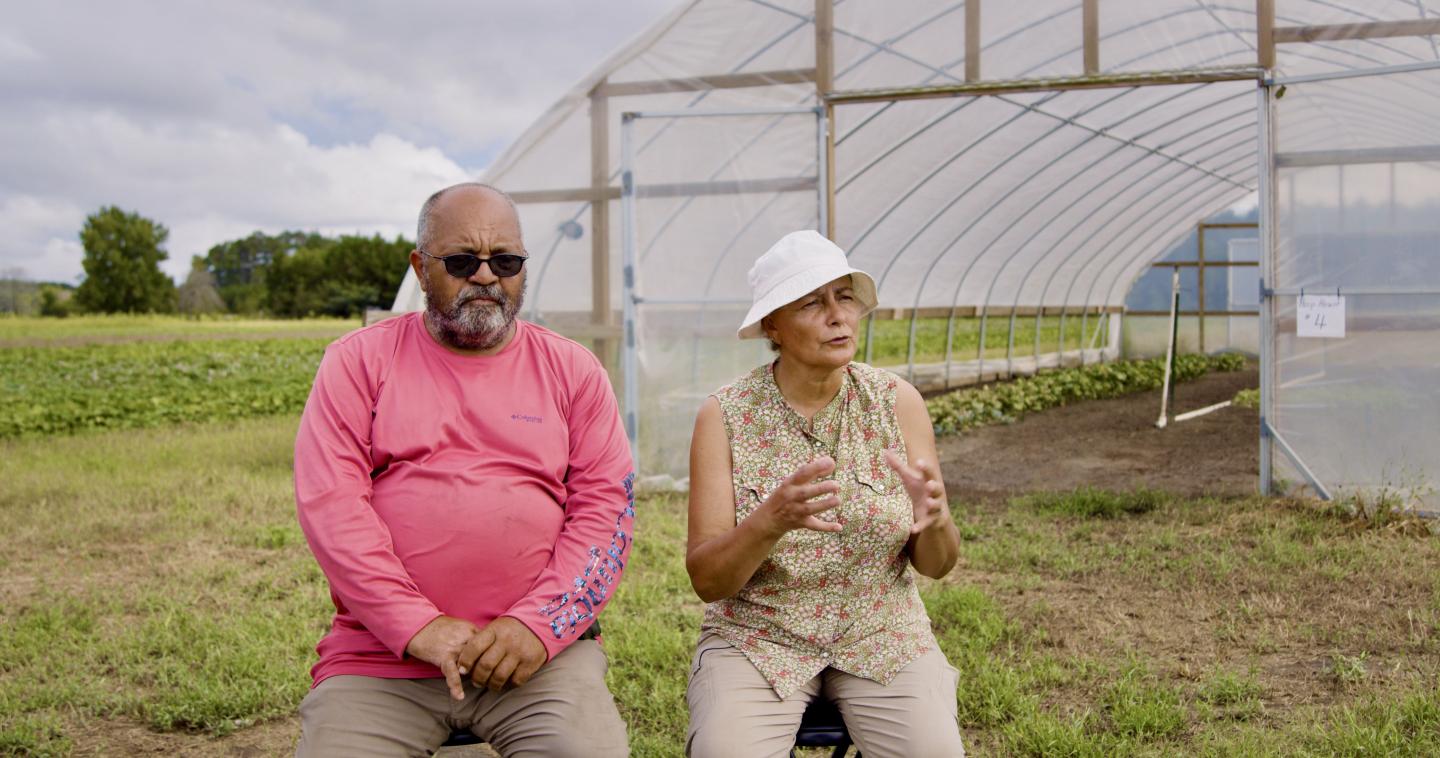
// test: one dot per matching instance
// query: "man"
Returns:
(464, 481)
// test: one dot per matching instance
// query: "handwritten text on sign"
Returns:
(1320, 316)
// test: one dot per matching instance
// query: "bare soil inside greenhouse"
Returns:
(1114, 445)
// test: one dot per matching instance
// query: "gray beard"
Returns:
(478, 327)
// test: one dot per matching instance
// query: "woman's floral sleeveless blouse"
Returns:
(844, 599)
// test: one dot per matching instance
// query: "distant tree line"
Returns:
(289, 275)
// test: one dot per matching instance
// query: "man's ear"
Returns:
(417, 264)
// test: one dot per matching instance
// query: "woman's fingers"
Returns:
(803, 514)
(921, 474)
(817, 525)
(813, 470)
(813, 522)
(819, 506)
(922, 524)
(898, 464)
(927, 512)
(804, 492)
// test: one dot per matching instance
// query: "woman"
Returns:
(813, 490)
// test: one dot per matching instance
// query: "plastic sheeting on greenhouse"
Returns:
(690, 150)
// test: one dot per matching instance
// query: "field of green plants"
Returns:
(892, 338)
(104, 328)
(1006, 402)
(58, 390)
(157, 596)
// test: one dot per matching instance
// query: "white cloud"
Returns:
(217, 119)
(210, 184)
(41, 237)
(14, 50)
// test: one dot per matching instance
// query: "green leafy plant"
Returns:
(1347, 670)
(1004, 403)
(61, 390)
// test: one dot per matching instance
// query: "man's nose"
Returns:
(484, 275)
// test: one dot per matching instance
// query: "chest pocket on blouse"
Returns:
(751, 489)
(878, 478)
(886, 507)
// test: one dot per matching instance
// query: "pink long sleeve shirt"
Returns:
(432, 483)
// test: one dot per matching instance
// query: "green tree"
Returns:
(339, 277)
(241, 266)
(295, 284)
(55, 301)
(122, 264)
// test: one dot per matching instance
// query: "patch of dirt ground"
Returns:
(1285, 621)
(1114, 445)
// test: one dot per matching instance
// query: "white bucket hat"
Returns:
(797, 265)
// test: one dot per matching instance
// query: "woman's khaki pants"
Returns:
(734, 713)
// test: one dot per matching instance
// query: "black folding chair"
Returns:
(822, 726)
(461, 737)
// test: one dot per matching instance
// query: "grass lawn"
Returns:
(18, 331)
(154, 581)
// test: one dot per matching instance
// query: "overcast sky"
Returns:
(220, 118)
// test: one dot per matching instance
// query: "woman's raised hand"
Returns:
(793, 505)
(923, 485)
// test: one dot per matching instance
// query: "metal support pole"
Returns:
(949, 343)
(1200, 277)
(1090, 25)
(972, 40)
(1268, 432)
(825, 153)
(869, 337)
(1061, 345)
(980, 352)
(1267, 276)
(1010, 346)
(628, 247)
(1265, 33)
(1039, 311)
(600, 311)
(910, 348)
(824, 85)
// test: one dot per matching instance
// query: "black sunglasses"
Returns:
(464, 265)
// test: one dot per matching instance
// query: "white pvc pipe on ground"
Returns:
(1202, 411)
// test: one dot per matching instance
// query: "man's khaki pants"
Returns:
(564, 710)
(734, 713)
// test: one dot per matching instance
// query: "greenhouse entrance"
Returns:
(690, 229)
(1350, 378)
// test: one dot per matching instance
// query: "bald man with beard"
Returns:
(464, 480)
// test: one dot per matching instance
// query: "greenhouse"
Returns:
(1008, 172)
